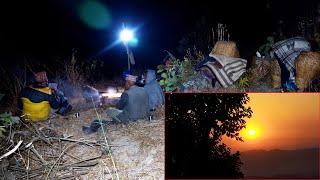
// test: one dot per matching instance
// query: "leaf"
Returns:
(162, 83)
(174, 79)
(15, 120)
(173, 73)
(160, 68)
(168, 89)
(5, 119)
(4, 115)
(270, 40)
(170, 83)
(2, 130)
(160, 71)
(164, 75)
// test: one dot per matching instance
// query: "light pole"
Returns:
(126, 36)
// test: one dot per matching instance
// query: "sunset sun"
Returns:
(251, 132)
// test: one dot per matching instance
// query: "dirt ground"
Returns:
(136, 149)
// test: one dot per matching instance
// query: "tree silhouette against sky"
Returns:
(195, 124)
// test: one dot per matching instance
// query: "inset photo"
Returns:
(242, 135)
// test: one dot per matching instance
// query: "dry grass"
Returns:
(11, 85)
(137, 149)
(140, 145)
(226, 48)
(275, 74)
(307, 68)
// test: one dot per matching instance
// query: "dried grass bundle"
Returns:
(307, 68)
(226, 48)
(275, 74)
(260, 69)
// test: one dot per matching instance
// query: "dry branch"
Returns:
(12, 150)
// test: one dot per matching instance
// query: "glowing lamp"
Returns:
(126, 35)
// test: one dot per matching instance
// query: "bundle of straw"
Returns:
(226, 48)
(260, 68)
(307, 68)
(275, 74)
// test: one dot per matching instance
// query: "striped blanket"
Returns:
(287, 52)
(227, 70)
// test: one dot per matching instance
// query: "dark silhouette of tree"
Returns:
(195, 124)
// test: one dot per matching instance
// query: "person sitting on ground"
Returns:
(37, 99)
(153, 89)
(133, 105)
(64, 106)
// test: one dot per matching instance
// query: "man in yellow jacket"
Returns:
(38, 98)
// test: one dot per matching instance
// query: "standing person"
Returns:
(153, 89)
(133, 105)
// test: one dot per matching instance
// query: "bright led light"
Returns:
(111, 90)
(111, 93)
(126, 35)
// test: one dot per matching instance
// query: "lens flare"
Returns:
(95, 14)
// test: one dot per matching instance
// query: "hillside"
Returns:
(300, 163)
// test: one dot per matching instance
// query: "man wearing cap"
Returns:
(133, 105)
(37, 99)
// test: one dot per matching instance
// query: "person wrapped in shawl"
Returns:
(153, 89)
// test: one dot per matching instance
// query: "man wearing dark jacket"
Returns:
(133, 105)
(37, 99)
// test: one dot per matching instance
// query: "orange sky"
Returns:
(281, 121)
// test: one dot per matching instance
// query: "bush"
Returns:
(175, 73)
(6, 120)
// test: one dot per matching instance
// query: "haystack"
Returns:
(307, 68)
(260, 69)
(275, 74)
(226, 48)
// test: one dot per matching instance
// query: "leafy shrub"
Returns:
(174, 73)
(244, 81)
(265, 48)
(6, 120)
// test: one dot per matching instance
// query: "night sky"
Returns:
(47, 30)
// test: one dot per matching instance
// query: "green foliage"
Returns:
(173, 74)
(6, 120)
(2, 131)
(265, 48)
(244, 81)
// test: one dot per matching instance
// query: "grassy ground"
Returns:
(137, 149)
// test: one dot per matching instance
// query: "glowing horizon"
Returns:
(280, 121)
